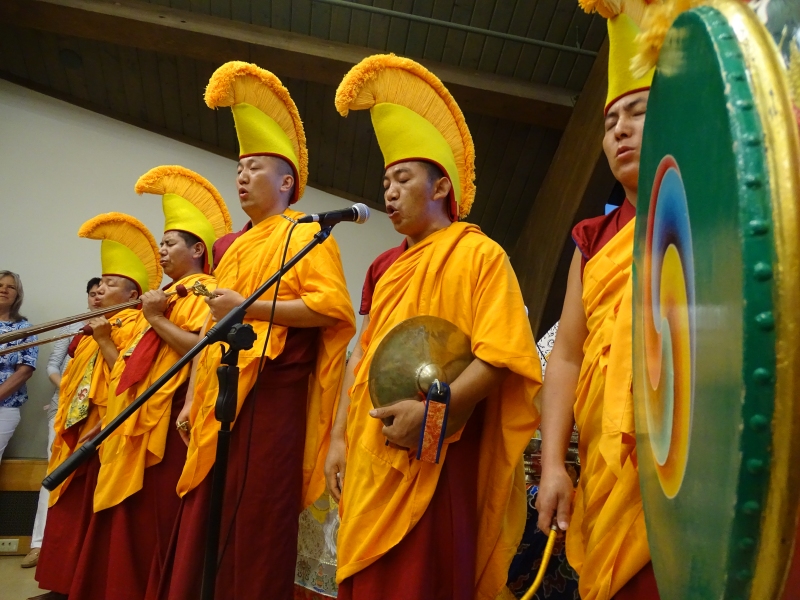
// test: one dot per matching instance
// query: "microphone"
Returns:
(358, 213)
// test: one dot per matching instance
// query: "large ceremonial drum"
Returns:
(717, 313)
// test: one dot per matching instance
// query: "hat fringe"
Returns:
(657, 20)
(130, 232)
(174, 179)
(418, 92)
(236, 82)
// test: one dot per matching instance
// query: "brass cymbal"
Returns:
(412, 355)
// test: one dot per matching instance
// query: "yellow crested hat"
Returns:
(624, 19)
(415, 118)
(622, 47)
(128, 249)
(190, 204)
(266, 118)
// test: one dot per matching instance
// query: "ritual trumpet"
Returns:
(198, 289)
(85, 330)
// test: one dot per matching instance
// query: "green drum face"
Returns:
(704, 339)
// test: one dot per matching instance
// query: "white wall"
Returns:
(61, 165)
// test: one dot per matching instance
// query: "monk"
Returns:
(83, 394)
(135, 501)
(590, 368)
(286, 401)
(413, 529)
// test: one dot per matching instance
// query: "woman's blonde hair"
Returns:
(14, 312)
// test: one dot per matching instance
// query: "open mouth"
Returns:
(391, 211)
(242, 193)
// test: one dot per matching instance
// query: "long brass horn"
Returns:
(198, 289)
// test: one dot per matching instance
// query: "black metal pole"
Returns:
(240, 338)
(218, 333)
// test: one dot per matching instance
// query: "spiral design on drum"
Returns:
(669, 328)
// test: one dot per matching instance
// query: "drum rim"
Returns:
(770, 367)
(771, 94)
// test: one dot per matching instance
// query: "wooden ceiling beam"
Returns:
(181, 33)
(578, 162)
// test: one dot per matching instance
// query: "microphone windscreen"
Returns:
(363, 212)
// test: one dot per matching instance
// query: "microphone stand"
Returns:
(231, 330)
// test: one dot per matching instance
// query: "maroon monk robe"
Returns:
(125, 545)
(260, 538)
(436, 560)
(67, 523)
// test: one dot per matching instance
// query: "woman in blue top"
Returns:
(17, 367)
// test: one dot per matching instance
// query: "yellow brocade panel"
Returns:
(606, 540)
(318, 279)
(140, 442)
(462, 276)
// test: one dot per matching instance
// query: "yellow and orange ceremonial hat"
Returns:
(624, 18)
(127, 249)
(622, 48)
(415, 118)
(266, 118)
(190, 204)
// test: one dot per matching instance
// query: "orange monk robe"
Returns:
(462, 276)
(80, 369)
(139, 443)
(318, 279)
(606, 540)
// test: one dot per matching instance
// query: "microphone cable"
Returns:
(261, 364)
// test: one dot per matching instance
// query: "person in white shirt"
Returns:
(55, 368)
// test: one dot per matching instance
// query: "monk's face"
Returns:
(116, 290)
(414, 200)
(8, 293)
(622, 141)
(265, 185)
(178, 258)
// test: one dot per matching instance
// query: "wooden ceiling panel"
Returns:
(56, 75)
(11, 53)
(499, 202)
(151, 87)
(112, 76)
(208, 118)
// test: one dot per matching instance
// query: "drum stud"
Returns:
(752, 182)
(746, 543)
(759, 227)
(762, 271)
(758, 422)
(762, 375)
(738, 76)
(744, 104)
(751, 507)
(755, 465)
(744, 575)
(765, 320)
(753, 141)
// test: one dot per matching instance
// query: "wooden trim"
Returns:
(182, 33)
(22, 474)
(567, 182)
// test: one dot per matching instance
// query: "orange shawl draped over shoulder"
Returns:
(318, 279)
(606, 540)
(139, 443)
(87, 363)
(462, 276)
